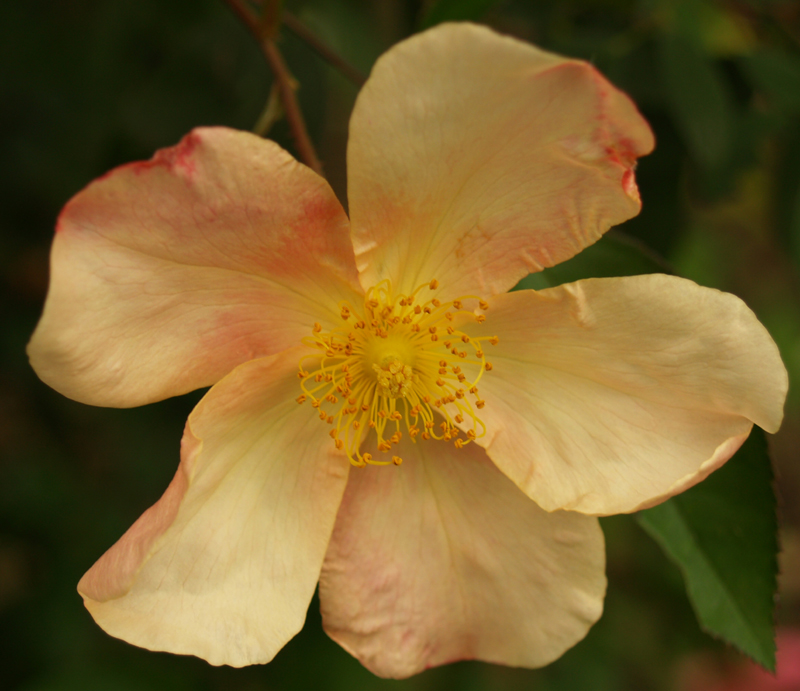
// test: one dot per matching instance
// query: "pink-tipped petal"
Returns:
(611, 395)
(224, 565)
(476, 159)
(443, 559)
(167, 274)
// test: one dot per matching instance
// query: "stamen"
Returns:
(384, 366)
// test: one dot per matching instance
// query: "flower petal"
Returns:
(476, 159)
(167, 274)
(443, 559)
(225, 564)
(611, 395)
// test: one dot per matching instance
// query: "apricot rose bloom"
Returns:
(506, 421)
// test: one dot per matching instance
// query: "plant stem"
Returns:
(285, 83)
(291, 108)
(324, 51)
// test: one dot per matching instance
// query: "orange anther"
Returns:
(434, 284)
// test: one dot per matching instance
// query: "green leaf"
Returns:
(700, 100)
(722, 534)
(455, 11)
(615, 254)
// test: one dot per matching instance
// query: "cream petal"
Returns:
(167, 274)
(611, 395)
(225, 564)
(443, 559)
(476, 159)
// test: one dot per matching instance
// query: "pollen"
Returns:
(383, 368)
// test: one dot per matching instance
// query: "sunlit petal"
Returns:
(476, 159)
(610, 395)
(443, 559)
(225, 564)
(167, 274)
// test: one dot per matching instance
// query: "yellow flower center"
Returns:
(398, 364)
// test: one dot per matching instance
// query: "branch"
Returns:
(290, 106)
(285, 84)
(323, 50)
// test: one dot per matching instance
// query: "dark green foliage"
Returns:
(723, 535)
(456, 10)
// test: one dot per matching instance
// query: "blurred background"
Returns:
(91, 84)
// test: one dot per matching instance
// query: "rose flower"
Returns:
(385, 418)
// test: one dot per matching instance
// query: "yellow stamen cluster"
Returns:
(399, 359)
